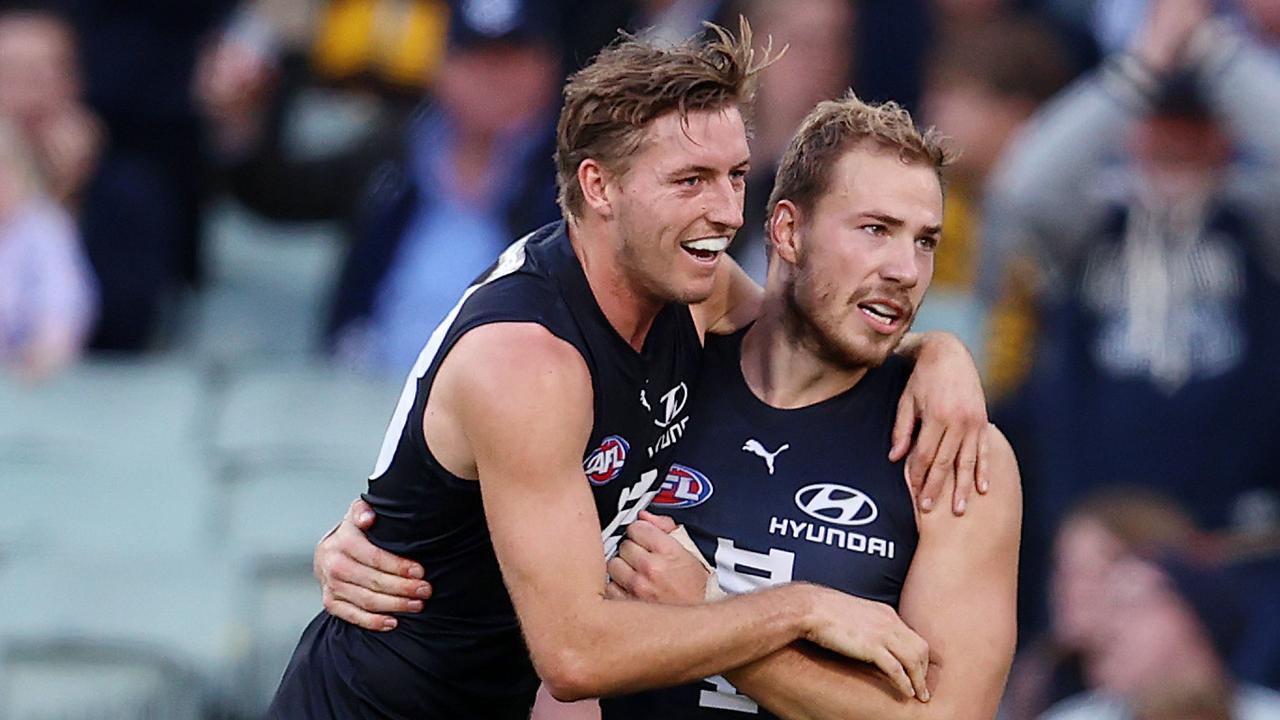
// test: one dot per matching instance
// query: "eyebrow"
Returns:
(705, 169)
(895, 222)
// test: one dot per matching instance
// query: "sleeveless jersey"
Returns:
(463, 655)
(771, 496)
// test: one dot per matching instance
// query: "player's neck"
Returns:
(786, 372)
(629, 310)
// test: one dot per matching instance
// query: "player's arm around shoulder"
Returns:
(959, 595)
(521, 402)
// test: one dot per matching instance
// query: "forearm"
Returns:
(1059, 154)
(801, 682)
(915, 343)
(1064, 144)
(621, 646)
(1242, 81)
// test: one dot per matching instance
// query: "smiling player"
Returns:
(577, 342)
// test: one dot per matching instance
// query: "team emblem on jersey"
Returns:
(837, 504)
(606, 462)
(684, 487)
(672, 404)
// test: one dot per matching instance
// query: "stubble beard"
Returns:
(806, 324)
(643, 271)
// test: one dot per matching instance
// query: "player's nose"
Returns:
(898, 262)
(724, 205)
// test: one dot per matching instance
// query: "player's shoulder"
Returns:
(1001, 462)
(509, 375)
(999, 510)
(993, 518)
(517, 350)
(524, 286)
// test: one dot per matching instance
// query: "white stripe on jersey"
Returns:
(509, 261)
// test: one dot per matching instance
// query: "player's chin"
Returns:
(693, 292)
(868, 350)
(690, 288)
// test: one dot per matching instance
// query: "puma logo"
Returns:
(754, 447)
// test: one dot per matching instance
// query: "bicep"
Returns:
(960, 593)
(507, 386)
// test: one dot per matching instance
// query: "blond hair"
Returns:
(609, 103)
(836, 126)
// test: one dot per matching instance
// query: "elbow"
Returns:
(568, 675)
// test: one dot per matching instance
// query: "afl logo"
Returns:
(836, 504)
(606, 462)
(684, 487)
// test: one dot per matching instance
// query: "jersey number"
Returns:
(742, 571)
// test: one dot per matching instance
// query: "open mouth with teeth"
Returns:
(882, 315)
(706, 249)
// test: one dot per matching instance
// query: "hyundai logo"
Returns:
(836, 504)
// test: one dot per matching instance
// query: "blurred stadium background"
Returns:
(227, 226)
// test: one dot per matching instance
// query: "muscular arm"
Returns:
(522, 401)
(959, 595)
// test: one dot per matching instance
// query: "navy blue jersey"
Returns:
(771, 496)
(463, 655)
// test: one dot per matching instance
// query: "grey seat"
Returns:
(107, 501)
(129, 627)
(276, 514)
(105, 404)
(74, 679)
(314, 416)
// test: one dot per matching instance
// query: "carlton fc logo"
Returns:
(684, 487)
(606, 462)
(837, 504)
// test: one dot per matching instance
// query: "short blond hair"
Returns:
(836, 126)
(609, 103)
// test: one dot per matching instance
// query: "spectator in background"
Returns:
(588, 25)
(1152, 623)
(375, 58)
(983, 81)
(477, 171)
(140, 214)
(1149, 203)
(816, 67)
(47, 293)
(1104, 528)
(1115, 23)
(40, 93)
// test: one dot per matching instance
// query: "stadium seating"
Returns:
(155, 552)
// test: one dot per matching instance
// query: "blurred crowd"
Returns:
(1111, 249)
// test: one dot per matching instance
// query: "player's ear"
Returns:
(594, 180)
(784, 231)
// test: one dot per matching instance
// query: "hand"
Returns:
(232, 84)
(945, 394)
(361, 581)
(1169, 25)
(872, 632)
(654, 567)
